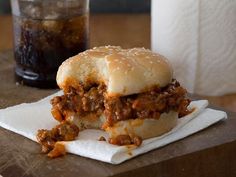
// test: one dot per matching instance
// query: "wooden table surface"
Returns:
(126, 30)
(210, 152)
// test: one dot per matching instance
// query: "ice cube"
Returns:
(51, 15)
(33, 11)
(53, 26)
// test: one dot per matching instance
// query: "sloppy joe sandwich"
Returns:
(129, 93)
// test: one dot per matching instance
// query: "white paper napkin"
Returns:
(26, 119)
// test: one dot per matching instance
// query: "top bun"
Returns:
(123, 71)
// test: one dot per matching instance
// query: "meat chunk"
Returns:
(126, 140)
(65, 131)
(57, 151)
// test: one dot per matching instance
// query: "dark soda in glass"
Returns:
(46, 34)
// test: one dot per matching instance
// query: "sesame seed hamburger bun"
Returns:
(123, 71)
(126, 74)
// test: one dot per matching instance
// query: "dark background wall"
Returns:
(5, 6)
(102, 6)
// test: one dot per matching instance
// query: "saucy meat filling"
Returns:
(80, 101)
(150, 104)
(83, 101)
(65, 131)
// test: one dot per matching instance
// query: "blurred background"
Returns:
(101, 6)
(105, 15)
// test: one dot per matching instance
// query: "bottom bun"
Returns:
(144, 128)
(91, 121)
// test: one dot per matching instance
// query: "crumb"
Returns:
(102, 138)
(57, 151)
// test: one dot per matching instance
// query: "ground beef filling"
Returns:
(83, 101)
(126, 140)
(150, 104)
(65, 131)
(78, 101)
